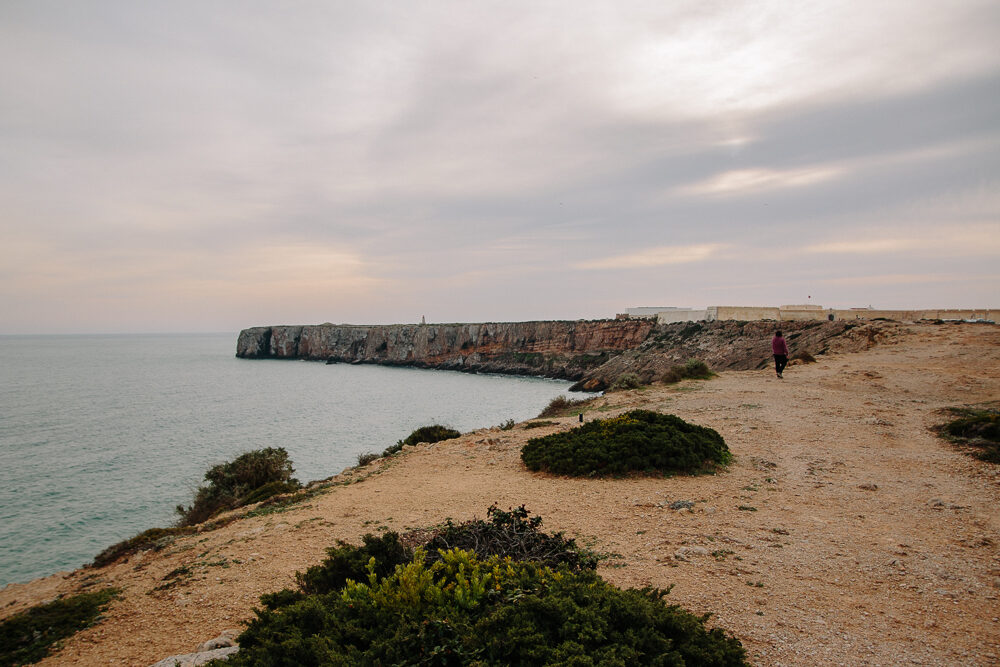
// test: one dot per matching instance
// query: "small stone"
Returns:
(684, 552)
(868, 487)
(224, 640)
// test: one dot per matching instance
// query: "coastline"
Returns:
(869, 539)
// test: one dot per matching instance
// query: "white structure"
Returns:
(672, 315)
(798, 312)
(648, 312)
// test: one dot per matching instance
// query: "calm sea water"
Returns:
(102, 436)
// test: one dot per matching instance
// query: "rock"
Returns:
(684, 552)
(868, 487)
(195, 659)
(225, 640)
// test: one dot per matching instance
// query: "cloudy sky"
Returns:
(212, 165)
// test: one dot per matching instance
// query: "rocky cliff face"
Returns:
(722, 345)
(554, 349)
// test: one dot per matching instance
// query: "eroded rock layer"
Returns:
(560, 349)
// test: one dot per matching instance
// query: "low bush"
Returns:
(626, 381)
(468, 609)
(29, 636)
(538, 424)
(560, 406)
(637, 441)
(975, 428)
(366, 458)
(154, 538)
(268, 491)
(692, 369)
(345, 561)
(432, 433)
(235, 483)
(513, 534)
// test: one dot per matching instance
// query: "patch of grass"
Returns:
(29, 636)
(804, 357)
(538, 424)
(154, 538)
(626, 381)
(637, 441)
(692, 369)
(746, 508)
(507, 425)
(560, 406)
(977, 428)
(283, 504)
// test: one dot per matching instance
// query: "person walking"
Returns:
(779, 348)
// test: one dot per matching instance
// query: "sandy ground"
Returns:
(844, 533)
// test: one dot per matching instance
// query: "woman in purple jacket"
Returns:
(780, 350)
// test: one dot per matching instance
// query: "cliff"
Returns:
(727, 345)
(560, 349)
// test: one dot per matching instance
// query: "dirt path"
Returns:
(843, 533)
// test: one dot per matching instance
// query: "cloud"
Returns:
(652, 257)
(757, 180)
(900, 279)
(971, 240)
(349, 156)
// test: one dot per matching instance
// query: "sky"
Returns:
(187, 166)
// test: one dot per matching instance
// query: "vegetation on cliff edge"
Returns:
(256, 476)
(432, 433)
(249, 478)
(29, 636)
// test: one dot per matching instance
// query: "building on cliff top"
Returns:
(799, 312)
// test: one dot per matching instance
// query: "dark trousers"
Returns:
(780, 361)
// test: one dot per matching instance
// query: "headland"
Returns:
(844, 532)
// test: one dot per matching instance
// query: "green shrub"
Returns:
(268, 491)
(507, 425)
(230, 484)
(432, 433)
(366, 458)
(626, 381)
(560, 406)
(637, 441)
(977, 428)
(29, 636)
(464, 609)
(696, 370)
(513, 534)
(692, 369)
(345, 561)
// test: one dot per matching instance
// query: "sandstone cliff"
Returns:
(724, 345)
(560, 349)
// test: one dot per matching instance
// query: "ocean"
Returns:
(101, 436)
